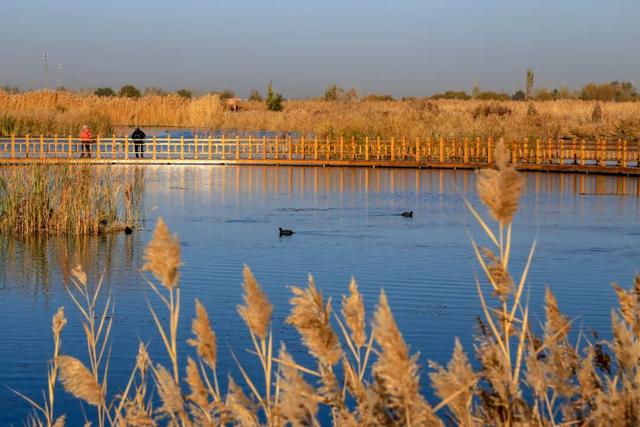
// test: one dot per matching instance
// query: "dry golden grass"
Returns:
(63, 113)
(528, 375)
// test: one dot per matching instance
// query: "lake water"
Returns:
(347, 224)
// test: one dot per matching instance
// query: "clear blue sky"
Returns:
(402, 47)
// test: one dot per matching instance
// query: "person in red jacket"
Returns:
(85, 139)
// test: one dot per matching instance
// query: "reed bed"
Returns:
(64, 113)
(50, 199)
(525, 374)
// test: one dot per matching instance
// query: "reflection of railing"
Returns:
(528, 154)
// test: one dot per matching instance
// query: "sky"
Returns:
(400, 47)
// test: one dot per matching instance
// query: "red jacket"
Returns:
(86, 135)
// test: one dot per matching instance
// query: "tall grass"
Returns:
(52, 199)
(366, 375)
(64, 113)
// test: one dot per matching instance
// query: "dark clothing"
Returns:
(138, 142)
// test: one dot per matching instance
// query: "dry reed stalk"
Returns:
(79, 381)
(311, 318)
(169, 392)
(397, 372)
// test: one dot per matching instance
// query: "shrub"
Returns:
(614, 91)
(104, 91)
(487, 110)
(154, 91)
(255, 96)
(596, 114)
(274, 100)
(493, 96)
(226, 94)
(451, 94)
(333, 92)
(129, 91)
(185, 93)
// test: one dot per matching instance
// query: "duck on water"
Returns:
(285, 232)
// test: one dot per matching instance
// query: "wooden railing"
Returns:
(441, 152)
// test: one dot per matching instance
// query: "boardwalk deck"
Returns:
(600, 157)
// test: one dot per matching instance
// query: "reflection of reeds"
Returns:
(46, 199)
(528, 375)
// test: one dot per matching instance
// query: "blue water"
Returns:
(347, 224)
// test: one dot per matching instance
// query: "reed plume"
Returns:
(205, 339)
(500, 188)
(241, 410)
(199, 394)
(397, 372)
(353, 312)
(311, 318)
(256, 311)
(162, 256)
(79, 381)
(169, 392)
(298, 403)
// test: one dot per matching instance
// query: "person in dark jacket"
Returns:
(138, 141)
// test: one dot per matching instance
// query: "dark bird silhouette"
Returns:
(408, 214)
(284, 232)
(128, 230)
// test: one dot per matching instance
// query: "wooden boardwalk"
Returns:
(602, 156)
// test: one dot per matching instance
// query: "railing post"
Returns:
(55, 145)
(97, 146)
(13, 146)
(619, 152)
(378, 146)
(582, 153)
(489, 151)
(562, 152)
(525, 149)
(342, 148)
(514, 154)
(277, 143)
(441, 149)
(41, 146)
(113, 147)
(302, 140)
(289, 147)
(428, 148)
(250, 147)
(222, 144)
(237, 147)
(209, 153)
(465, 149)
(328, 146)
(315, 147)
(538, 156)
(126, 147)
(353, 148)
(366, 148)
(154, 147)
(195, 147)
(624, 153)
(168, 146)
(264, 147)
(477, 153)
(182, 147)
(574, 142)
(69, 145)
(27, 143)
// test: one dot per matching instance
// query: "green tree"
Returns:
(530, 82)
(129, 91)
(104, 91)
(274, 100)
(255, 96)
(519, 96)
(185, 93)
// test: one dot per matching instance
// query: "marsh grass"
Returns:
(64, 113)
(523, 374)
(52, 199)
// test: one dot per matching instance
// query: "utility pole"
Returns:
(60, 80)
(45, 57)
